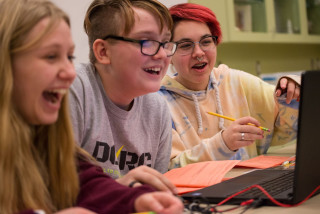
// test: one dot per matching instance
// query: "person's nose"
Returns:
(67, 71)
(197, 50)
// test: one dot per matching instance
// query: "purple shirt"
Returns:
(101, 194)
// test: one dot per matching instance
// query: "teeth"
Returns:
(153, 69)
(59, 91)
(200, 65)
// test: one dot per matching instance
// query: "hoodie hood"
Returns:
(170, 85)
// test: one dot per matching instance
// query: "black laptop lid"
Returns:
(307, 169)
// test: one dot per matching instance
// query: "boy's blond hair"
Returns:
(116, 17)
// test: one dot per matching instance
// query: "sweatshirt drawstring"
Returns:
(199, 118)
(219, 107)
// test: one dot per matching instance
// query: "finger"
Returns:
(297, 93)
(278, 92)
(148, 202)
(290, 91)
(163, 180)
(135, 184)
(170, 203)
(242, 141)
(283, 83)
(159, 182)
(250, 136)
(154, 178)
(282, 87)
(77, 210)
(248, 120)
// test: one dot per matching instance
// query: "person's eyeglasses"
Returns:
(148, 47)
(206, 43)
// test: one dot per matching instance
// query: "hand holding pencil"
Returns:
(232, 119)
(242, 132)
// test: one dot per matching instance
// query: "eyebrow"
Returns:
(150, 34)
(56, 45)
(190, 40)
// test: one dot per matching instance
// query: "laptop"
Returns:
(303, 178)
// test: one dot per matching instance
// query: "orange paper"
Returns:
(263, 162)
(184, 190)
(199, 175)
(202, 174)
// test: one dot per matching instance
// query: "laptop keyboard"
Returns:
(273, 186)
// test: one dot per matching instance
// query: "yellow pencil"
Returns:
(232, 119)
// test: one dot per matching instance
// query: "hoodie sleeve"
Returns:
(271, 111)
(286, 123)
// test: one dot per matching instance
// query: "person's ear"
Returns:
(101, 51)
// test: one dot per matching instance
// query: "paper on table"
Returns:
(202, 174)
(199, 175)
(263, 162)
(183, 190)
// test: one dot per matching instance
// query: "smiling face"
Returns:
(43, 74)
(130, 73)
(193, 73)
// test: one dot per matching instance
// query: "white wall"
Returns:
(76, 10)
(169, 3)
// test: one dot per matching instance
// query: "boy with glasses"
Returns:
(116, 117)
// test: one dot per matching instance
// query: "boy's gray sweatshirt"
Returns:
(120, 140)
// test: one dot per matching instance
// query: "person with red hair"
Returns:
(197, 87)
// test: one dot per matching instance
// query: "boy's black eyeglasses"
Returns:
(148, 47)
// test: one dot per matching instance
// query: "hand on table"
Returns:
(159, 202)
(147, 175)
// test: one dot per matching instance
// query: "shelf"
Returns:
(287, 16)
(267, 21)
(313, 16)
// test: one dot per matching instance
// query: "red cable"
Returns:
(269, 196)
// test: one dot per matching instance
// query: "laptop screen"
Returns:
(307, 172)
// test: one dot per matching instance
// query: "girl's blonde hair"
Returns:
(38, 167)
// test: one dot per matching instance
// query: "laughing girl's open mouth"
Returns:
(54, 96)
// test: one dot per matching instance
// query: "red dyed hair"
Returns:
(195, 12)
